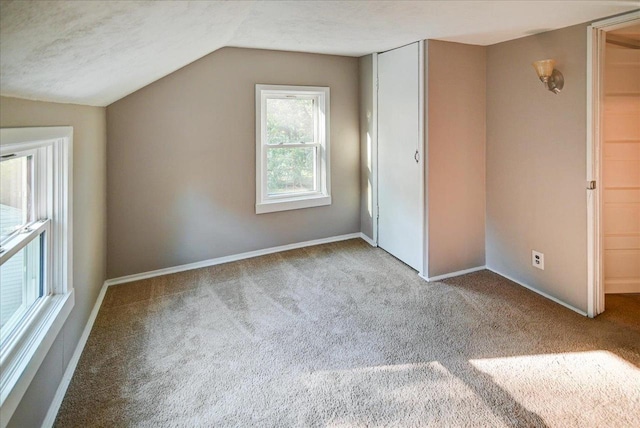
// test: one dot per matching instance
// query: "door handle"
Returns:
(417, 157)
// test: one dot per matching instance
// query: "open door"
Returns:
(613, 163)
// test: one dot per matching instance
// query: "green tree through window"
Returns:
(290, 169)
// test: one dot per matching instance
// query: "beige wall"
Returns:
(367, 129)
(621, 170)
(181, 161)
(536, 164)
(455, 118)
(89, 238)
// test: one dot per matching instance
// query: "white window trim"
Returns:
(25, 351)
(267, 204)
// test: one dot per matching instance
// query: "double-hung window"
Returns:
(35, 238)
(24, 235)
(292, 147)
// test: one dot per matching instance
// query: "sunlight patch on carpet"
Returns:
(404, 390)
(569, 387)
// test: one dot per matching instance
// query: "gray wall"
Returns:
(89, 235)
(536, 164)
(455, 114)
(365, 67)
(181, 161)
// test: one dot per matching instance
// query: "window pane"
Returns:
(20, 284)
(290, 170)
(15, 194)
(290, 121)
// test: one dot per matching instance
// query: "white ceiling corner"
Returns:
(96, 52)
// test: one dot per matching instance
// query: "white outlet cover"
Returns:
(537, 259)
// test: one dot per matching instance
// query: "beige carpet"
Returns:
(345, 335)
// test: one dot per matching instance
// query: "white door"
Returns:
(400, 158)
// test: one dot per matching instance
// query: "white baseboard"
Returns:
(231, 258)
(621, 286)
(542, 293)
(368, 240)
(452, 274)
(50, 417)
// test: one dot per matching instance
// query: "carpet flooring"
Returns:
(342, 335)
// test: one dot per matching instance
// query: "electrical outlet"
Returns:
(537, 259)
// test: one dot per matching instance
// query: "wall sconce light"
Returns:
(552, 78)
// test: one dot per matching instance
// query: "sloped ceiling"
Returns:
(96, 52)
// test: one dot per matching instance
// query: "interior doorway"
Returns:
(613, 162)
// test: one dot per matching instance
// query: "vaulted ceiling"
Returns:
(96, 52)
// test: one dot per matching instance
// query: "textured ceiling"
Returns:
(96, 52)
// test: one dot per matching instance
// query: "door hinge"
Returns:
(591, 185)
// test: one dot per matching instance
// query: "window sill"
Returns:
(20, 364)
(292, 204)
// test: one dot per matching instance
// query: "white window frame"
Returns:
(24, 349)
(266, 203)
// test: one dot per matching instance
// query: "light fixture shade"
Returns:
(544, 67)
